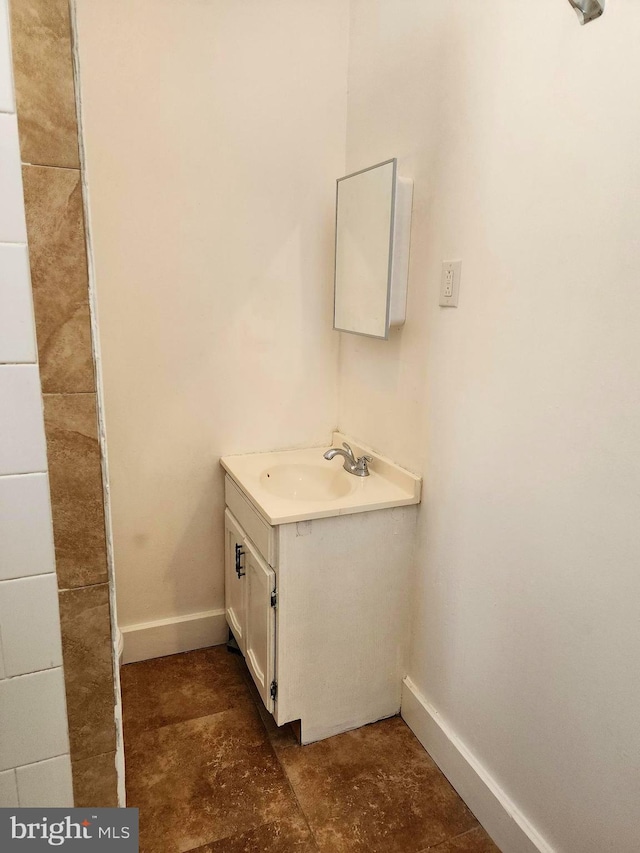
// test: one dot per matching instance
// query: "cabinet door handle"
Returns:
(239, 566)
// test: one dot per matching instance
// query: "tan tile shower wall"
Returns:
(43, 70)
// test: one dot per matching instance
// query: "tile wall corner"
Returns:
(57, 723)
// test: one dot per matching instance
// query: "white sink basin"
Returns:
(304, 482)
(297, 485)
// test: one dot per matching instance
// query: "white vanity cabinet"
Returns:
(261, 624)
(250, 600)
(234, 584)
(320, 610)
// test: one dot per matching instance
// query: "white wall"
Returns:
(521, 407)
(35, 768)
(213, 132)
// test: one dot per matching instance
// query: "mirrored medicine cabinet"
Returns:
(373, 227)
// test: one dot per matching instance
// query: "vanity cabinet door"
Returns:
(235, 590)
(261, 624)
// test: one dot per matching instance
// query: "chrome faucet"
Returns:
(359, 467)
(588, 10)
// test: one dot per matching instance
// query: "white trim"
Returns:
(119, 646)
(116, 641)
(501, 818)
(171, 636)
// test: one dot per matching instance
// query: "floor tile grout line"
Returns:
(157, 728)
(284, 770)
(64, 393)
(92, 757)
(434, 849)
(177, 722)
(291, 788)
(201, 717)
(313, 835)
(50, 166)
(274, 741)
(286, 775)
(187, 719)
(252, 704)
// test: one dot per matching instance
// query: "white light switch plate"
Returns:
(450, 283)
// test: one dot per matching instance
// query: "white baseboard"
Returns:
(119, 645)
(171, 636)
(504, 822)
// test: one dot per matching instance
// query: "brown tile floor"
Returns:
(212, 773)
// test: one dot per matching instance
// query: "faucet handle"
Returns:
(362, 465)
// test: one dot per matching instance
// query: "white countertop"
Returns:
(388, 484)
